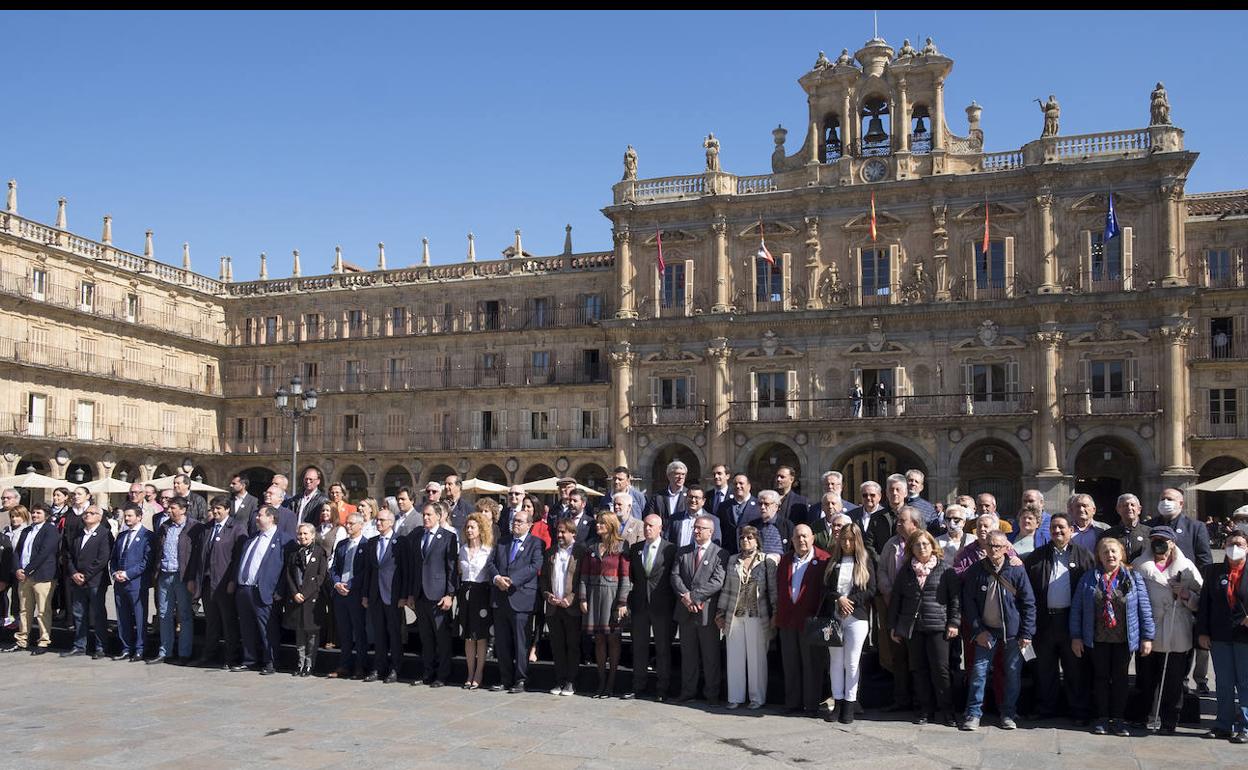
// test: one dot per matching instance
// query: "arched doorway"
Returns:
(162, 470)
(258, 480)
(199, 474)
(32, 464)
(876, 462)
(356, 481)
(396, 478)
(440, 472)
(1220, 504)
(80, 471)
(1106, 468)
(492, 473)
(658, 470)
(126, 471)
(537, 472)
(592, 475)
(765, 461)
(992, 467)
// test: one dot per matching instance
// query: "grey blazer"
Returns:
(762, 583)
(703, 584)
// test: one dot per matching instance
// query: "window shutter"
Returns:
(968, 388)
(476, 430)
(25, 410)
(751, 264)
(1085, 259)
(1131, 369)
(790, 390)
(1239, 332)
(1011, 381)
(753, 395)
(894, 271)
(1237, 266)
(1128, 260)
(1206, 255)
(1009, 266)
(970, 278)
(855, 259)
(855, 378)
(901, 388)
(500, 425)
(1084, 387)
(654, 391)
(688, 287)
(526, 428)
(692, 385)
(576, 430)
(786, 280)
(658, 291)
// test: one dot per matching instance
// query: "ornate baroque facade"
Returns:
(1055, 357)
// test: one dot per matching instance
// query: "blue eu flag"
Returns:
(1111, 222)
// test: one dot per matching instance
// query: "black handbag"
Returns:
(823, 632)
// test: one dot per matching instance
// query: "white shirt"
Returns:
(30, 544)
(472, 565)
(86, 535)
(845, 578)
(261, 543)
(560, 575)
(799, 573)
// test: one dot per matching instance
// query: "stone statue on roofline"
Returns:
(907, 51)
(712, 152)
(1159, 107)
(1052, 114)
(822, 62)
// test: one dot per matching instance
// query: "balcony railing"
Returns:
(1109, 403)
(1208, 426)
(62, 429)
(892, 407)
(1219, 348)
(96, 364)
(647, 416)
(425, 379)
(359, 440)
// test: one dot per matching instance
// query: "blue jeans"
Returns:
(172, 597)
(1230, 668)
(982, 667)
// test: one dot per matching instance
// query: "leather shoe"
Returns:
(97, 655)
(341, 673)
(136, 658)
(518, 687)
(155, 660)
(73, 653)
(497, 688)
(372, 677)
(38, 650)
(436, 683)
(268, 671)
(122, 656)
(240, 667)
(629, 695)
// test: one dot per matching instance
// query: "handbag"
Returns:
(823, 632)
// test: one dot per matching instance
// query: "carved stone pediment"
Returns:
(671, 351)
(883, 219)
(770, 228)
(995, 211)
(989, 335)
(1108, 330)
(1098, 202)
(771, 347)
(877, 341)
(672, 238)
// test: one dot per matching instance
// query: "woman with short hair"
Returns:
(745, 609)
(925, 613)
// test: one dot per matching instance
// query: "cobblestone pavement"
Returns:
(85, 713)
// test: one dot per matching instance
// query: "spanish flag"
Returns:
(763, 253)
(873, 233)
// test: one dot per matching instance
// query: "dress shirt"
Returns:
(799, 572)
(685, 536)
(561, 571)
(864, 517)
(255, 555)
(1059, 580)
(648, 555)
(30, 544)
(87, 534)
(718, 496)
(238, 503)
(169, 554)
(472, 564)
(672, 498)
(348, 560)
(131, 534)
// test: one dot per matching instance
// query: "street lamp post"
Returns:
(294, 404)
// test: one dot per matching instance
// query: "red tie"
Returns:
(697, 562)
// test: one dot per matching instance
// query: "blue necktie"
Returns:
(246, 571)
(515, 548)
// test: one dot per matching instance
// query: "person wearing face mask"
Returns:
(1173, 584)
(1222, 628)
(955, 537)
(1192, 539)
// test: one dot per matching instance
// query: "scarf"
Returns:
(1110, 584)
(1232, 583)
(922, 570)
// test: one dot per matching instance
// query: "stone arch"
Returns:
(1142, 449)
(751, 447)
(992, 465)
(843, 451)
(1220, 504)
(592, 475)
(129, 468)
(766, 457)
(395, 478)
(33, 462)
(884, 454)
(87, 466)
(646, 459)
(259, 478)
(354, 478)
(955, 452)
(656, 473)
(1106, 465)
(439, 472)
(537, 472)
(163, 470)
(492, 472)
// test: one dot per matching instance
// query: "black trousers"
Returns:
(89, 611)
(805, 670)
(220, 621)
(387, 621)
(1052, 645)
(511, 644)
(700, 655)
(434, 628)
(565, 644)
(929, 664)
(660, 624)
(1148, 677)
(1109, 678)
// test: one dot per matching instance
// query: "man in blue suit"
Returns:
(36, 560)
(259, 574)
(513, 570)
(130, 573)
(387, 560)
(431, 589)
(736, 511)
(349, 581)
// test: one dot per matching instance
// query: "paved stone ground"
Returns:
(85, 713)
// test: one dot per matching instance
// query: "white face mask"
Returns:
(1236, 553)
(1167, 507)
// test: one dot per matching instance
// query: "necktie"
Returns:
(251, 553)
(515, 548)
(698, 561)
(129, 541)
(424, 547)
(381, 548)
(649, 560)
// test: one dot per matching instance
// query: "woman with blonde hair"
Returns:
(602, 591)
(474, 594)
(368, 509)
(849, 588)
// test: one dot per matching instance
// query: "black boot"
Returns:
(847, 712)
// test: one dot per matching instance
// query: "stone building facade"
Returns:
(1055, 357)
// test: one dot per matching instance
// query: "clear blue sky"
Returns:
(250, 132)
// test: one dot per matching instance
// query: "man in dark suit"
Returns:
(196, 505)
(286, 519)
(720, 489)
(221, 544)
(513, 569)
(651, 604)
(581, 517)
(36, 555)
(307, 504)
(349, 579)
(431, 588)
(515, 499)
(128, 566)
(175, 559)
(697, 578)
(794, 507)
(873, 518)
(243, 504)
(670, 501)
(736, 511)
(453, 496)
(387, 564)
(1054, 571)
(258, 584)
(87, 567)
(680, 523)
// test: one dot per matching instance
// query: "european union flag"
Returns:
(1111, 221)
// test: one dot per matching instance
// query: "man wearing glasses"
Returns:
(515, 498)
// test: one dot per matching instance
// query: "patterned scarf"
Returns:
(922, 569)
(1110, 583)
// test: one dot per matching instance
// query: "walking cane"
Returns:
(1154, 719)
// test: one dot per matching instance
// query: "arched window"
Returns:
(875, 132)
(920, 130)
(831, 148)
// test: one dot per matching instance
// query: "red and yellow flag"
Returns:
(873, 232)
(985, 249)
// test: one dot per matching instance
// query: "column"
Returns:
(622, 360)
(723, 288)
(1048, 255)
(938, 118)
(624, 273)
(1174, 457)
(901, 119)
(1171, 237)
(719, 354)
(1048, 414)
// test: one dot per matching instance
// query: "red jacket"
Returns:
(792, 615)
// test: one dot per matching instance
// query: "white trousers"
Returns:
(843, 664)
(747, 660)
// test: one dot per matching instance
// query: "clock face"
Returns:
(874, 170)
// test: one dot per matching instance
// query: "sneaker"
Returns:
(1008, 723)
(568, 689)
(1100, 729)
(971, 724)
(732, 705)
(755, 705)
(556, 690)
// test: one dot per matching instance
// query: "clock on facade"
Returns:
(874, 170)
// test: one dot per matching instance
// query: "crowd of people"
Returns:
(954, 599)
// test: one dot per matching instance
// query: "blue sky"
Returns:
(250, 132)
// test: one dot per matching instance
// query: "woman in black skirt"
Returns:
(474, 594)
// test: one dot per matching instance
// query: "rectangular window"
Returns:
(591, 365)
(769, 279)
(312, 325)
(1222, 406)
(311, 374)
(772, 389)
(270, 330)
(210, 378)
(673, 294)
(398, 320)
(86, 296)
(875, 273)
(129, 416)
(593, 307)
(351, 374)
(132, 307)
(1222, 337)
(85, 421)
(240, 428)
(488, 437)
(350, 426)
(132, 363)
(539, 364)
(591, 424)
(1220, 266)
(1106, 258)
(539, 426)
(268, 379)
(490, 315)
(489, 362)
(541, 313)
(37, 415)
(396, 369)
(249, 331)
(169, 423)
(1106, 379)
(396, 423)
(264, 428)
(38, 284)
(988, 382)
(673, 392)
(990, 267)
(355, 323)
